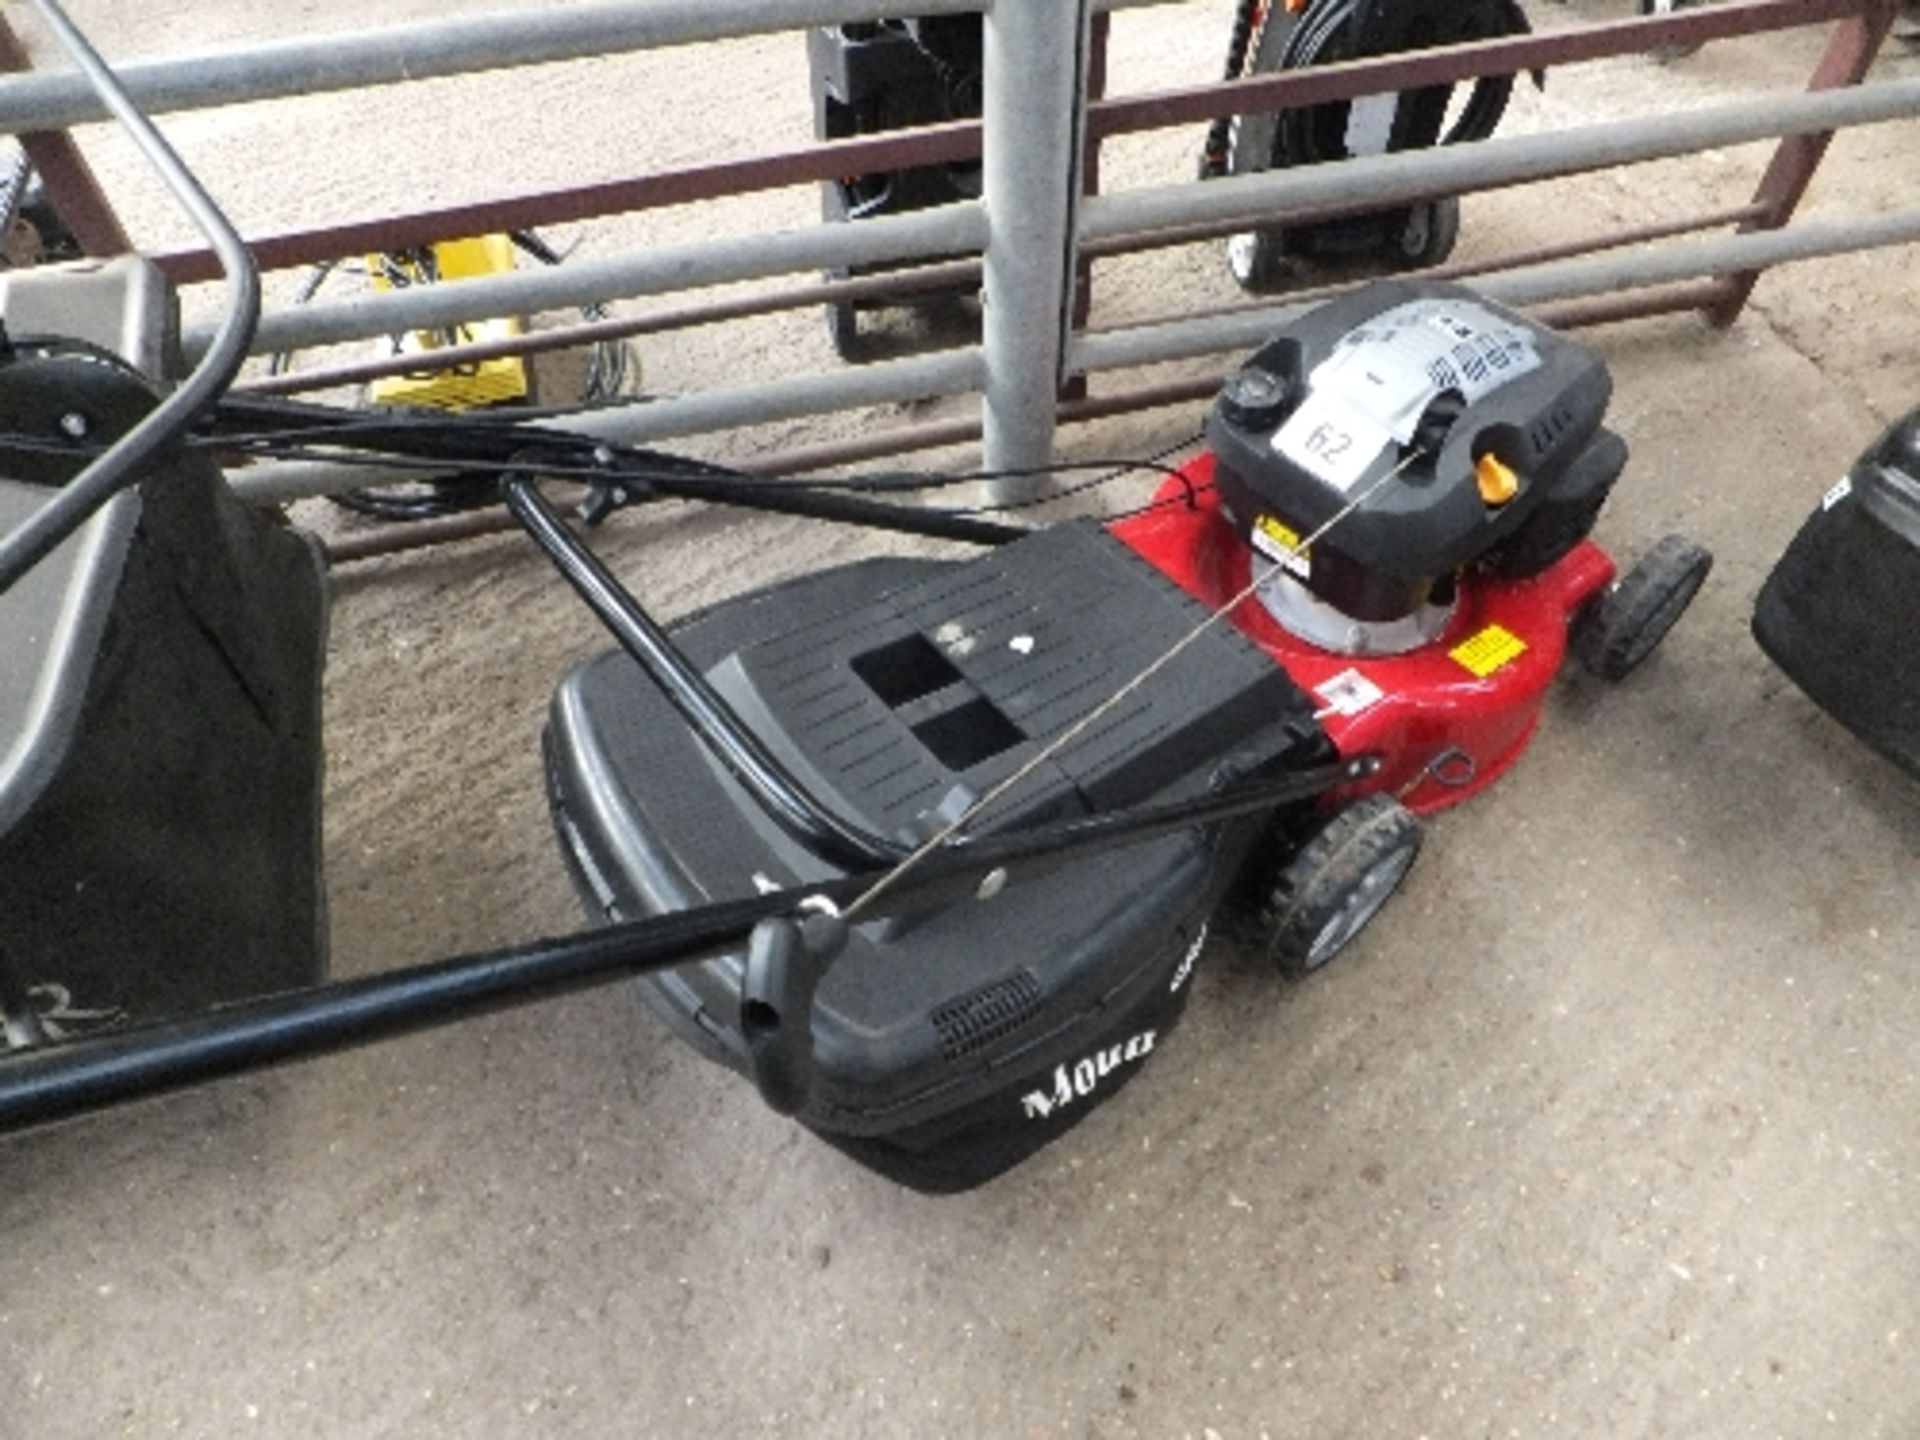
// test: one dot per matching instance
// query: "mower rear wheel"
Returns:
(1338, 882)
(1625, 624)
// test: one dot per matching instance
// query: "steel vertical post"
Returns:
(1034, 108)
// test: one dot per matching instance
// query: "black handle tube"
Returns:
(838, 841)
(796, 498)
(59, 1082)
(45, 1084)
(121, 466)
(491, 446)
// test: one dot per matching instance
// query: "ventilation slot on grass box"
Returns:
(961, 738)
(904, 670)
(975, 1021)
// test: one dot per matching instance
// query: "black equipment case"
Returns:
(946, 1045)
(160, 711)
(869, 77)
(1836, 613)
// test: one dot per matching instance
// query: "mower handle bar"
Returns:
(44, 1084)
(843, 843)
(120, 466)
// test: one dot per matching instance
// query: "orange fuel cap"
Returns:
(1498, 483)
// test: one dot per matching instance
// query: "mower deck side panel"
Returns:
(1448, 718)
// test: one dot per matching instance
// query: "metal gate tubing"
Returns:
(1033, 228)
(943, 277)
(1791, 170)
(1154, 342)
(961, 140)
(1349, 185)
(427, 50)
(1032, 109)
(918, 234)
(1408, 175)
(944, 144)
(1320, 84)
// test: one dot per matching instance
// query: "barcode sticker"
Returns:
(1349, 693)
(1279, 542)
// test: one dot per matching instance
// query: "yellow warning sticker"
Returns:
(1489, 650)
(1277, 541)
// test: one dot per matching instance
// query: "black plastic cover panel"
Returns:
(1836, 613)
(1418, 378)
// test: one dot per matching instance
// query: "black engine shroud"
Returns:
(1419, 382)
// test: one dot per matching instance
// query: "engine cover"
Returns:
(1450, 430)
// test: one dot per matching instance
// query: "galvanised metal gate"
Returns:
(1035, 226)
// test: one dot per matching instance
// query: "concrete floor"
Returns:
(1609, 1126)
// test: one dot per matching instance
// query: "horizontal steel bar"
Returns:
(1611, 309)
(1753, 250)
(1618, 239)
(959, 141)
(323, 64)
(1377, 180)
(901, 284)
(1245, 330)
(1613, 238)
(956, 141)
(897, 382)
(1318, 84)
(919, 235)
(388, 540)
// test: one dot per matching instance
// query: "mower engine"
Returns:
(1406, 479)
(1455, 433)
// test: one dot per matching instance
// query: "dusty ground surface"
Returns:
(1609, 1126)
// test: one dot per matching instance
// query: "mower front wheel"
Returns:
(1338, 882)
(1627, 622)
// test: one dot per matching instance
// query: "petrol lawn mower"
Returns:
(926, 849)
